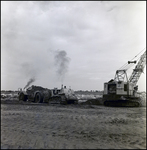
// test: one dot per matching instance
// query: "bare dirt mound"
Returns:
(98, 101)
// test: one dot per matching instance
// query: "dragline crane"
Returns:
(122, 91)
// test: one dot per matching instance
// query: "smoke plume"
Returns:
(29, 82)
(61, 61)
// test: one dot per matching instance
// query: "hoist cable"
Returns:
(126, 64)
(133, 64)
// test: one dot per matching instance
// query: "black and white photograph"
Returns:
(73, 74)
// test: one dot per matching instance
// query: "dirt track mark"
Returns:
(27, 126)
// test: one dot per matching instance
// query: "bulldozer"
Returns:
(122, 91)
(38, 94)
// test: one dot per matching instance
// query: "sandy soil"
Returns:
(34, 126)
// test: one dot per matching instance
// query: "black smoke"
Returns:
(29, 82)
(61, 62)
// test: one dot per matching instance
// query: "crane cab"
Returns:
(119, 88)
(120, 94)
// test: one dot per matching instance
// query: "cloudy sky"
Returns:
(80, 44)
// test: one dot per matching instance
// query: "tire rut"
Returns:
(65, 127)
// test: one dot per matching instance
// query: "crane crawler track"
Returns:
(122, 103)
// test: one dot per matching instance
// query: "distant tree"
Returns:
(10, 91)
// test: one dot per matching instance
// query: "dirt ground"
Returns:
(43, 126)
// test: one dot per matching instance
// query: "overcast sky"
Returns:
(89, 40)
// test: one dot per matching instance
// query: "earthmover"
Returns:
(122, 91)
(39, 94)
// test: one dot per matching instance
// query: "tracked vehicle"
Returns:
(122, 91)
(39, 94)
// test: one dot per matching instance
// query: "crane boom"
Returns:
(138, 69)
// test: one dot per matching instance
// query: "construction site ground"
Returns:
(42, 126)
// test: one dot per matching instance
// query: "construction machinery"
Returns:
(122, 91)
(39, 94)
